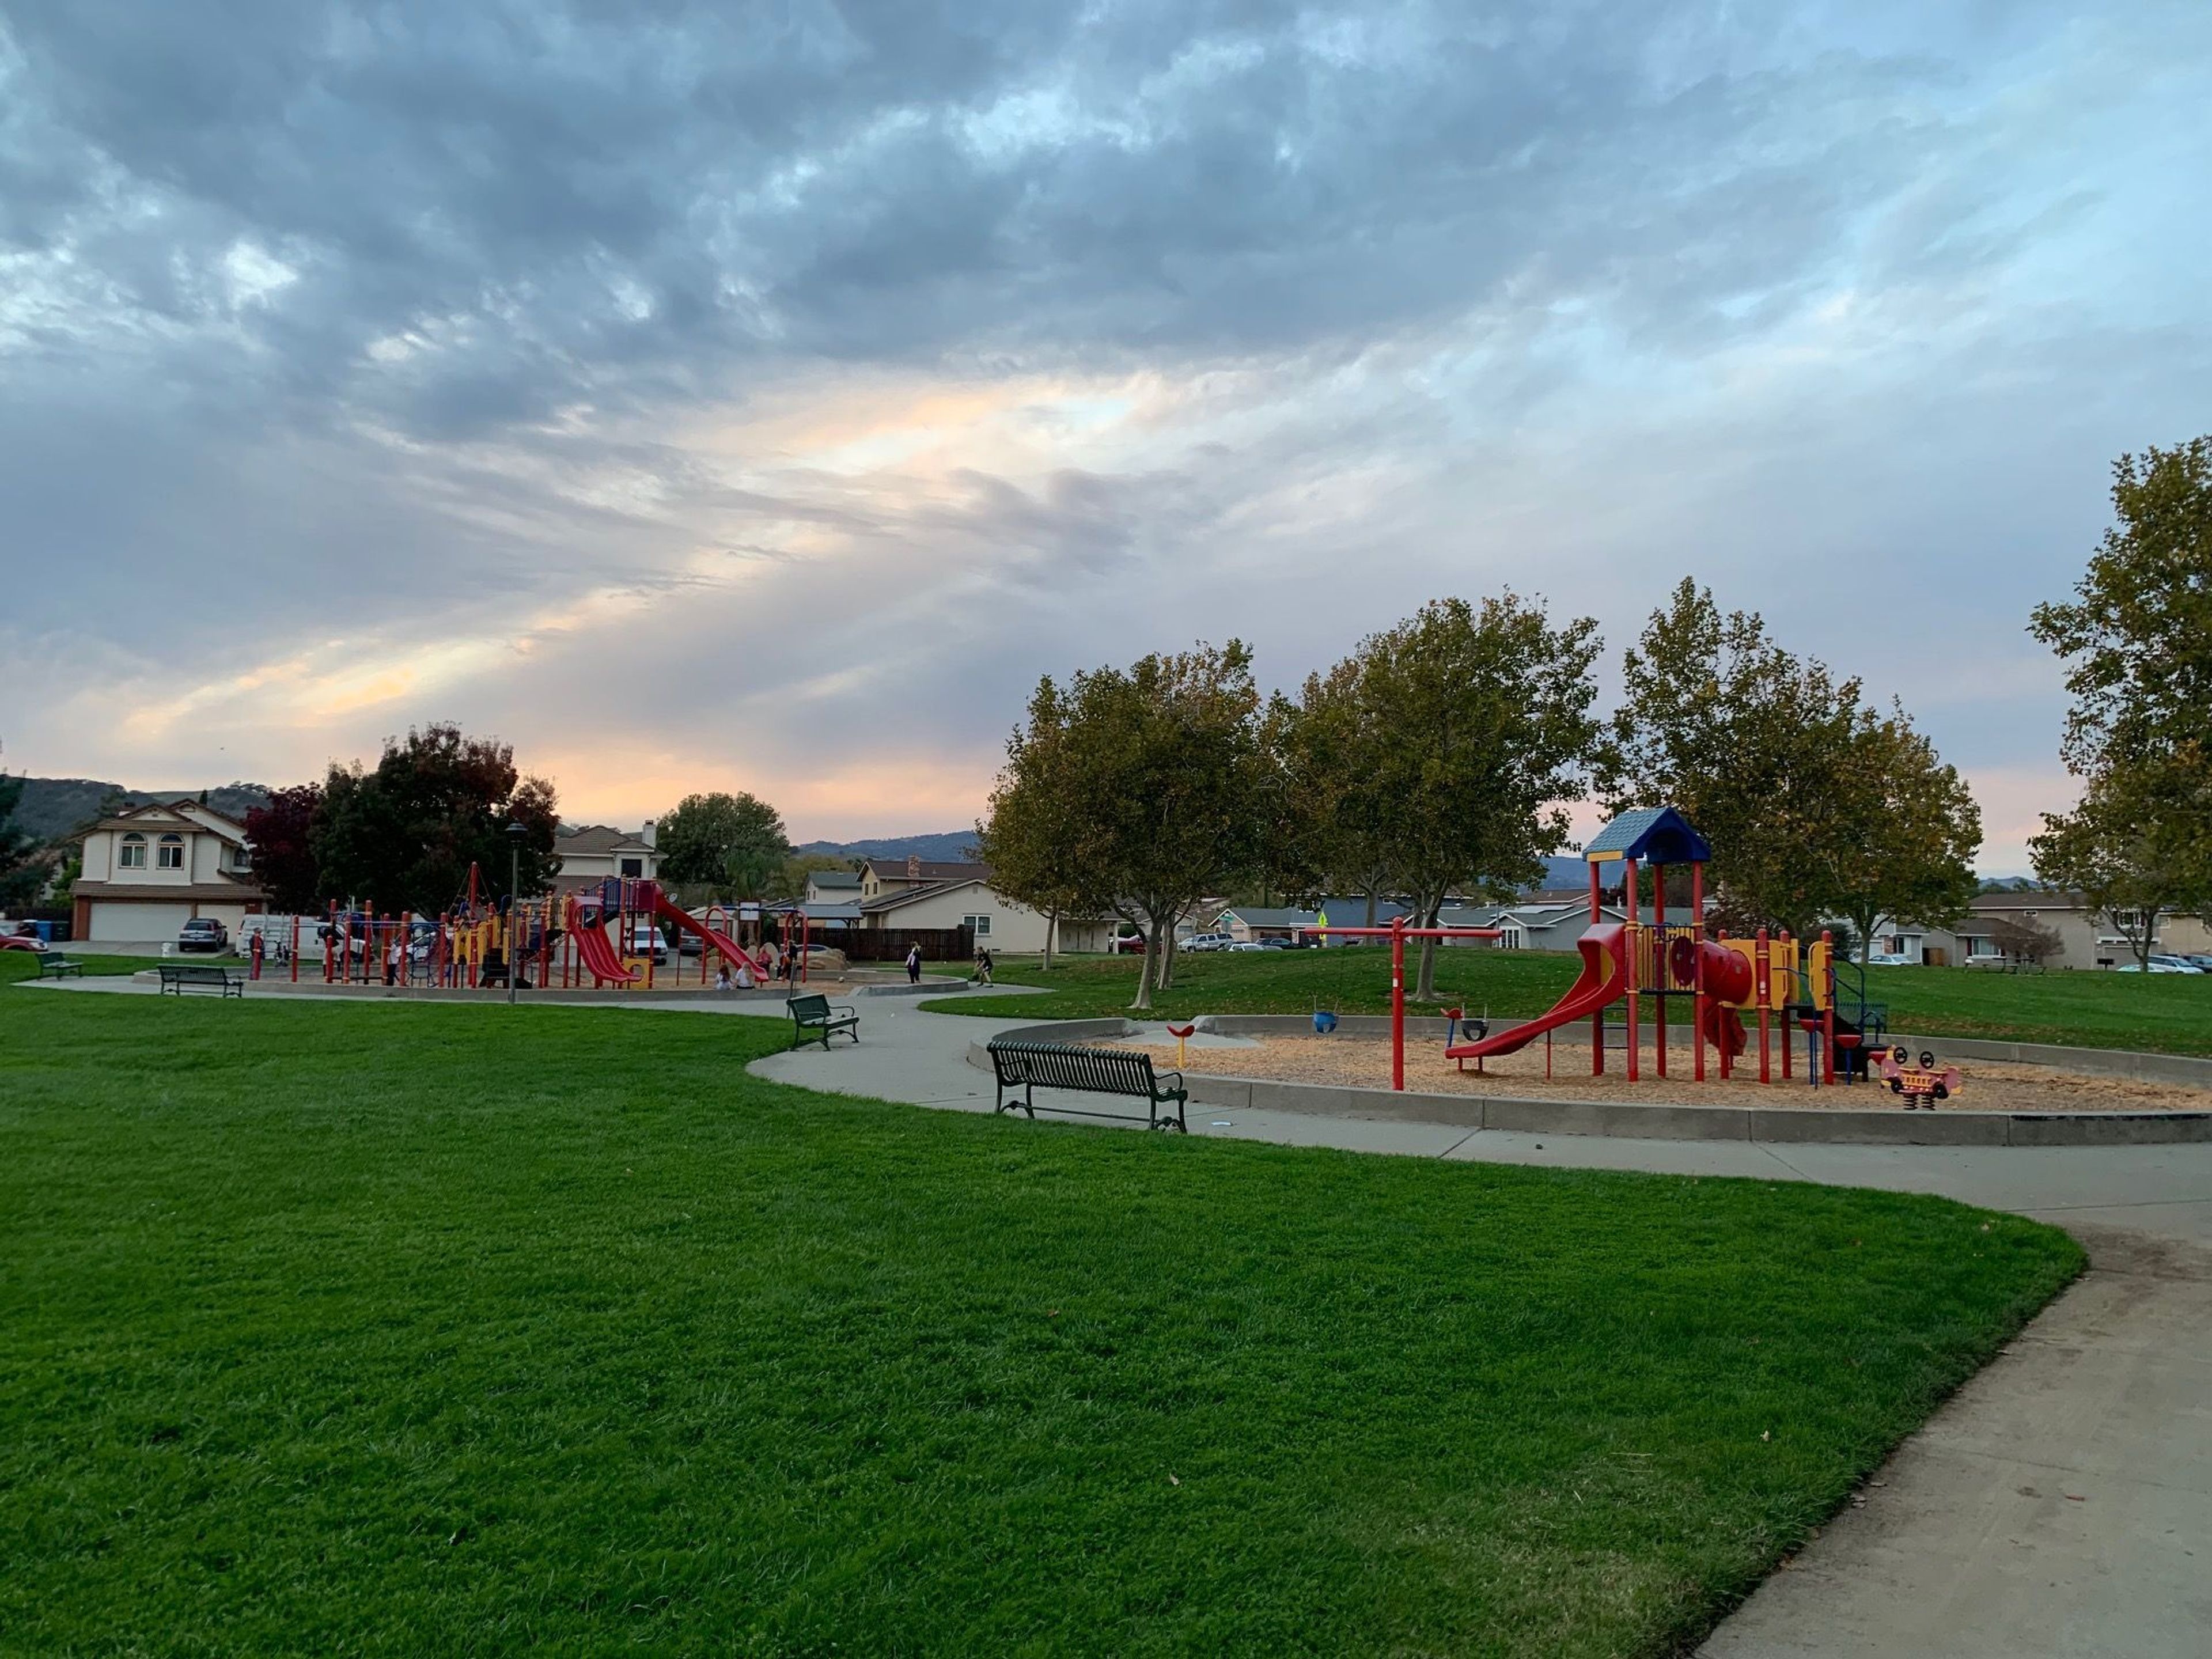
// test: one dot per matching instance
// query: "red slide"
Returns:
(1603, 980)
(597, 952)
(729, 947)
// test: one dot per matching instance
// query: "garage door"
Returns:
(138, 923)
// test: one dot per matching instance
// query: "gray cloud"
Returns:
(878, 357)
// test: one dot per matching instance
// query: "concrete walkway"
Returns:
(2059, 1507)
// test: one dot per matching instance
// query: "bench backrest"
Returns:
(807, 1008)
(51, 958)
(192, 970)
(1063, 1066)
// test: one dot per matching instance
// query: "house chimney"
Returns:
(646, 834)
(914, 867)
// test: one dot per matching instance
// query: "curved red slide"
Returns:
(690, 924)
(597, 952)
(1604, 979)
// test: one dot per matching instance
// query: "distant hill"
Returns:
(952, 845)
(54, 806)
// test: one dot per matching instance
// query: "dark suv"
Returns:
(203, 933)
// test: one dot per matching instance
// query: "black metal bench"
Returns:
(52, 965)
(817, 1019)
(1030, 1066)
(177, 977)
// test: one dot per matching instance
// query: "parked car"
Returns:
(1271, 944)
(203, 933)
(2203, 960)
(1889, 959)
(1209, 942)
(2181, 963)
(1129, 944)
(2158, 965)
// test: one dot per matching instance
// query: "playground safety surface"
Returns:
(1364, 1063)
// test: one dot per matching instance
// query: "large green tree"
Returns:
(2124, 855)
(1033, 833)
(405, 835)
(281, 833)
(1901, 832)
(1164, 780)
(1335, 823)
(1815, 804)
(732, 846)
(2136, 638)
(1475, 729)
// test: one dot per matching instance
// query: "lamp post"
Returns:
(516, 835)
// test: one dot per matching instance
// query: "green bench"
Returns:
(178, 977)
(817, 1019)
(52, 965)
(1030, 1066)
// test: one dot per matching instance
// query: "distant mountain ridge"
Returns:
(948, 846)
(54, 806)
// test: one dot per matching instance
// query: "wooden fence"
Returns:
(889, 944)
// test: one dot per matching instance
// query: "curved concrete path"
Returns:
(2058, 1507)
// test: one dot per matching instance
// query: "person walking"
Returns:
(982, 966)
(914, 964)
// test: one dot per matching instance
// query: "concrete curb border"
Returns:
(1625, 1119)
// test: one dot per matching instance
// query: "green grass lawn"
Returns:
(23, 964)
(400, 1329)
(2162, 1013)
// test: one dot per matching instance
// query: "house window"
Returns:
(170, 855)
(981, 924)
(133, 853)
(633, 866)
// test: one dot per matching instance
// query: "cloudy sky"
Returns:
(765, 395)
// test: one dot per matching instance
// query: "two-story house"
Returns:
(151, 869)
(590, 854)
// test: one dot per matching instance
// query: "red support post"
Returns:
(1728, 1061)
(1788, 1033)
(1597, 1019)
(1629, 899)
(1697, 970)
(1398, 1002)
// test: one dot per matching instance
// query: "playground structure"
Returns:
(1783, 985)
(552, 941)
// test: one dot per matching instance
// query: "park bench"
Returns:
(52, 965)
(1030, 1066)
(178, 976)
(817, 1019)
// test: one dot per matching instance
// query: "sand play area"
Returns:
(1364, 1062)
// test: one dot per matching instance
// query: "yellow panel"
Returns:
(1602, 858)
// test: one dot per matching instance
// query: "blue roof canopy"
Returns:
(1650, 835)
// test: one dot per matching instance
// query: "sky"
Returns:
(765, 396)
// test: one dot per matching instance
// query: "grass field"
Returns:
(2162, 1013)
(394, 1329)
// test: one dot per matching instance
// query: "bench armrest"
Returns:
(844, 1008)
(1169, 1082)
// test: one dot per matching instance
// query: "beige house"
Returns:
(2060, 930)
(882, 878)
(590, 854)
(150, 870)
(999, 923)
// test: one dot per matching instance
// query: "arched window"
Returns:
(132, 855)
(171, 854)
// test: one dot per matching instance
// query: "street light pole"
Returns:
(516, 835)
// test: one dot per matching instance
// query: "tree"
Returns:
(1162, 775)
(1474, 726)
(282, 837)
(21, 872)
(1771, 757)
(405, 835)
(1899, 837)
(733, 846)
(2022, 940)
(2123, 858)
(2137, 638)
(1334, 834)
(1032, 835)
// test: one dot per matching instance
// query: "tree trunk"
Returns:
(1051, 926)
(1425, 985)
(1167, 956)
(1370, 905)
(1152, 957)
